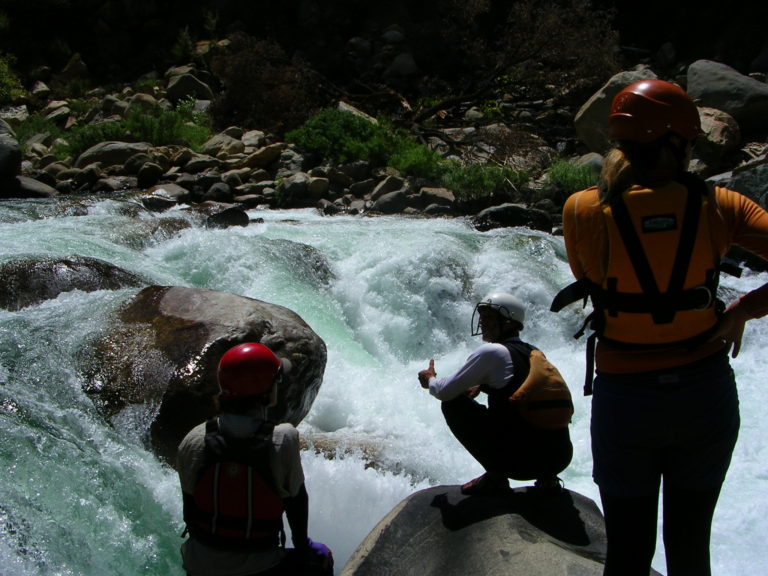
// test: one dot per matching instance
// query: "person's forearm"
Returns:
(755, 303)
(297, 512)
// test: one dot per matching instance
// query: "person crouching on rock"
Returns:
(506, 444)
(239, 473)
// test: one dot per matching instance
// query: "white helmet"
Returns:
(508, 306)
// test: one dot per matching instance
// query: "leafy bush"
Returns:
(80, 138)
(565, 177)
(338, 136)
(182, 126)
(414, 159)
(10, 85)
(343, 137)
(473, 181)
(36, 124)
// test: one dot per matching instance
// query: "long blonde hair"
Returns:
(650, 164)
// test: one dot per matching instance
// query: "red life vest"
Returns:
(234, 502)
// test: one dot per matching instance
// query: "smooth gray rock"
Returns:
(440, 532)
(111, 153)
(30, 281)
(163, 349)
(510, 215)
(591, 121)
(719, 86)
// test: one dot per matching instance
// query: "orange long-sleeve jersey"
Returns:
(733, 219)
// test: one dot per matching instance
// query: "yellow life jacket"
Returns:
(543, 399)
(661, 274)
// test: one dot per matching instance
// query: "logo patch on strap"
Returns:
(659, 223)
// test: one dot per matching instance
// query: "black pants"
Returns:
(673, 430)
(297, 564)
(631, 531)
(504, 444)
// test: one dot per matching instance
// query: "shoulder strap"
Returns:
(639, 259)
(520, 352)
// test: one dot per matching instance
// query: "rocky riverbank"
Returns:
(241, 168)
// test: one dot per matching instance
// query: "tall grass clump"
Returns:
(565, 177)
(474, 181)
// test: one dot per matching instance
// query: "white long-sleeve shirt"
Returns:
(491, 364)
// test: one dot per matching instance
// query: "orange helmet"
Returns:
(248, 369)
(649, 109)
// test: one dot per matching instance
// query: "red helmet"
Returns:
(649, 109)
(248, 369)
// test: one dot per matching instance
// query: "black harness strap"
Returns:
(661, 305)
(666, 308)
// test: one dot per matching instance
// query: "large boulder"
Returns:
(10, 157)
(510, 215)
(111, 153)
(162, 351)
(29, 281)
(719, 86)
(591, 121)
(723, 135)
(184, 86)
(440, 532)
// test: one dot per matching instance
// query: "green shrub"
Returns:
(80, 138)
(565, 177)
(473, 181)
(10, 85)
(414, 159)
(344, 137)
(182, 126)
(338, 136)
(36, 124)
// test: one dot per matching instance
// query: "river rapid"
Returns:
(83, 497)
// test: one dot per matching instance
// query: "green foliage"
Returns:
(343, 137)
(414, 159)
(473, 181)
(10, 85)
(338, 136)
(566, 177)
(183, 49)
(183, 126)
(80, 138)
(36, 124)
(180, 126)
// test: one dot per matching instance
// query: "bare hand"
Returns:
(730, 329)
(425, 375)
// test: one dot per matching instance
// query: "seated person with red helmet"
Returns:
(239, 473)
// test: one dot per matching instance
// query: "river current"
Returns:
(79, 496)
